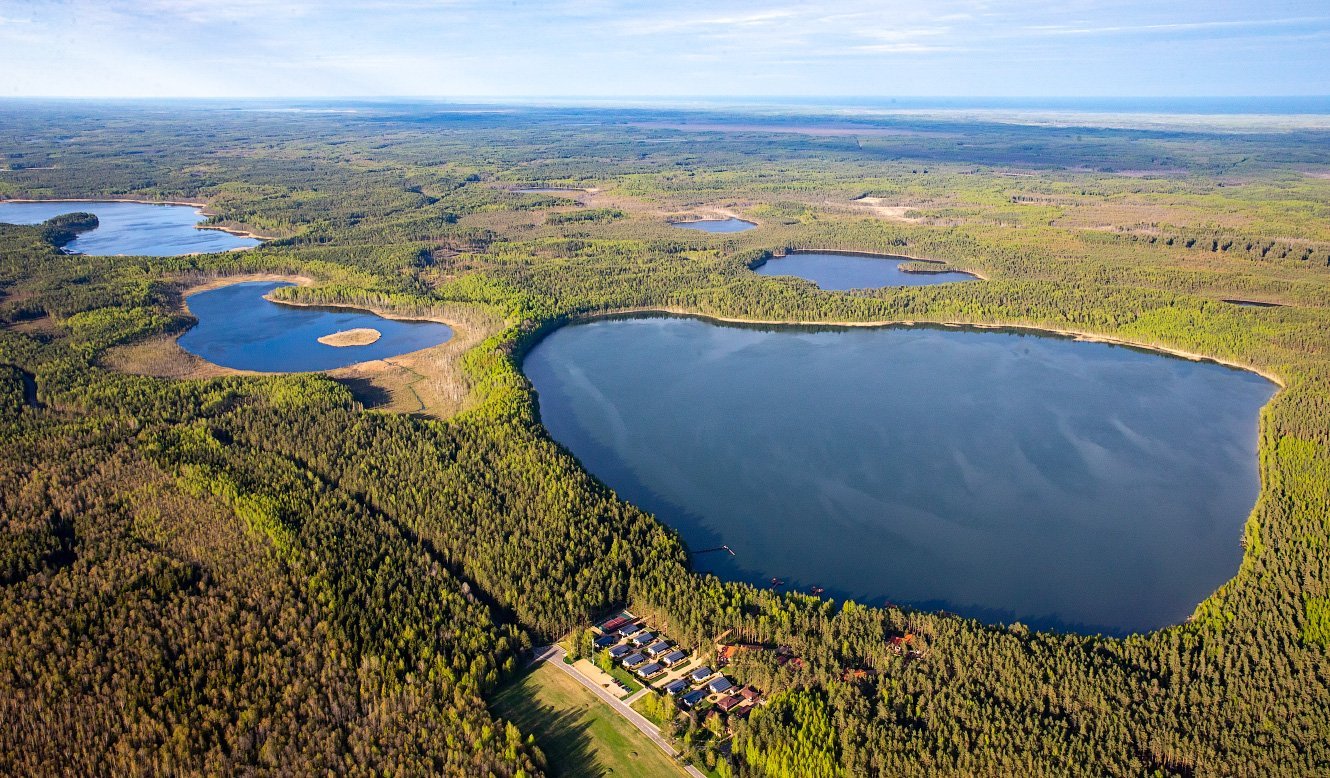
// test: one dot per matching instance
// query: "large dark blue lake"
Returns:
(1005, 476)
(240, 329)
(138, 229)
(716, 225)
(846, 271)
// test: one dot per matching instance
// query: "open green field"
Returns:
(579, 734)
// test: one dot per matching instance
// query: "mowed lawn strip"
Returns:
(580, 735)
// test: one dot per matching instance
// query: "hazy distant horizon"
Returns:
(1313, 104)
(627, 48)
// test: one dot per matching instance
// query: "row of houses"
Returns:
(704, 682)
(650, 657)
(702, 679)
(639, 650)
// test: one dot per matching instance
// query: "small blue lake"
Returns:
(838, 272)
(240, 329)
(135, 229)
(716, 225)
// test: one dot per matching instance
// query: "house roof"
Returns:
(634, 660)
(676, 686)
(674, 656)
(651, 669)
(619, 651)
(720, 684)
(658, 648)
(692, 698)
(700, 673)
(730, 702)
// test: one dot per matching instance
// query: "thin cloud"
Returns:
(441, 47)
(903, 47)
(1055, 29)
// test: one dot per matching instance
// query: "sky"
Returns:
(612, 48)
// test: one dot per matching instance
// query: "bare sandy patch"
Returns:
(882, 207)
(360, 336)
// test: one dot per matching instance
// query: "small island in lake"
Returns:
(360, 336)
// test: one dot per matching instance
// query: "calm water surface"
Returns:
(716, 225)
(239, 329)
(845, 271)
(138, 229)
(999, 475)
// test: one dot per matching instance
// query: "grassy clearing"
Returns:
(580, 735)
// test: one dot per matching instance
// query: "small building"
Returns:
(642, 638)
(676, 686)
(605, 641)
(750, 694)
(673, 658)
(629, 629)
(648, 670)
(900, 643)
(658, 648)
(730, 703)
(634, 661)
(692, 698)
(619, 652)
(701, 674)
(720, 685)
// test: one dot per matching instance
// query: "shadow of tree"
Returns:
(366, 392)
(563, 735)
(567, 743)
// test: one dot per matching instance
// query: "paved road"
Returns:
(554, 656)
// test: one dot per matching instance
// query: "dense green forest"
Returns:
(215, 575)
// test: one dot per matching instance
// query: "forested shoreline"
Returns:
(256, 572)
